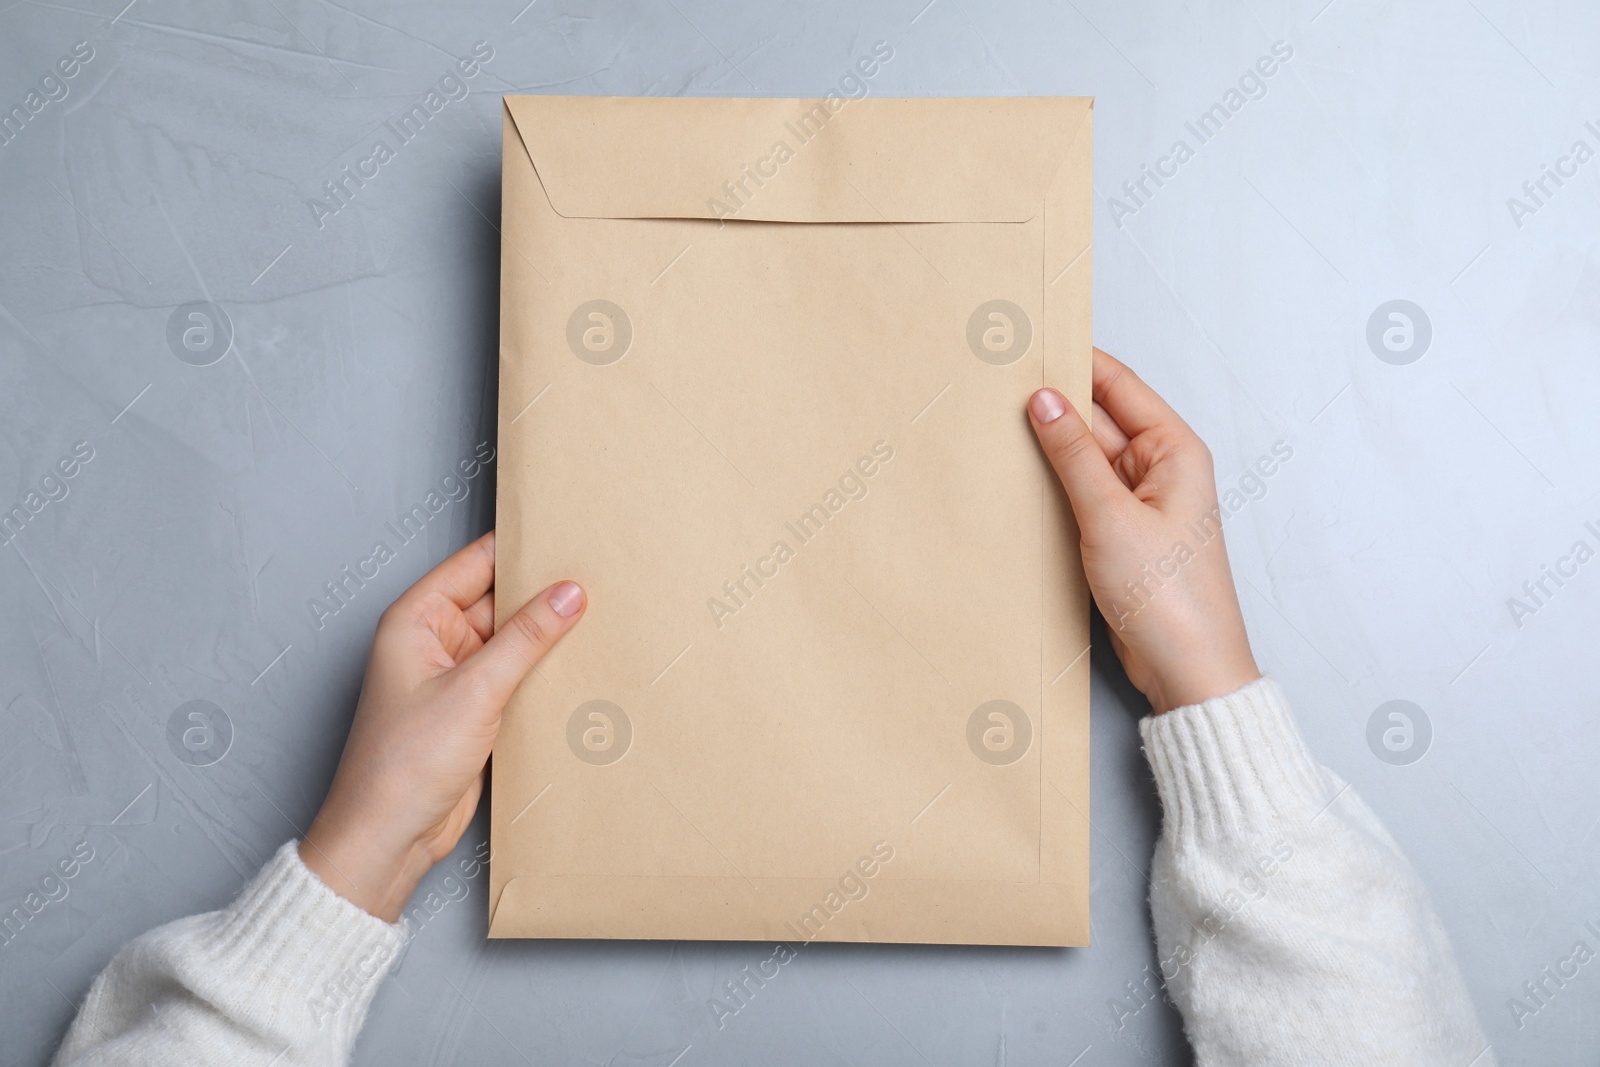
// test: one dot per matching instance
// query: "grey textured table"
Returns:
(223, 467)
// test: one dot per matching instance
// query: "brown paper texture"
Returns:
(763, 369)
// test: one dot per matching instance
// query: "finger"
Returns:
(463, 633)
(460, 579)
(1086, 475)
(1113, 442)
(1127, 399)
(467, 645)
(480, 616)
(524, 639)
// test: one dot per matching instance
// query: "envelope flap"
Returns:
(985, 159)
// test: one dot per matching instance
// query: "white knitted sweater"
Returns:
(1290, 930)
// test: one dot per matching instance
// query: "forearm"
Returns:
(1290, 928)
(284, 974)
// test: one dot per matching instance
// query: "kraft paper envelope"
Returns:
(763, 370)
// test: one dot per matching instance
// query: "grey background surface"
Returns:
(1375, 164)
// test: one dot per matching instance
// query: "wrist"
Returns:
(377, 875)
(1202, 680)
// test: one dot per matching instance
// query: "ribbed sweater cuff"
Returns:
(304, 943)
(1232, 765)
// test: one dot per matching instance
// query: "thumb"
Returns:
(1069, 444)
(501, 664)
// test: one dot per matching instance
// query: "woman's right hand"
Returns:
(1145, 496)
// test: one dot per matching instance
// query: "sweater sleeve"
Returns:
(283, 975)
(1290, 929)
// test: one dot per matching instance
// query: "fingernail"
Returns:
(566, 598)
(1047, 406)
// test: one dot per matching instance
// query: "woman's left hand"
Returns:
(412, 769)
